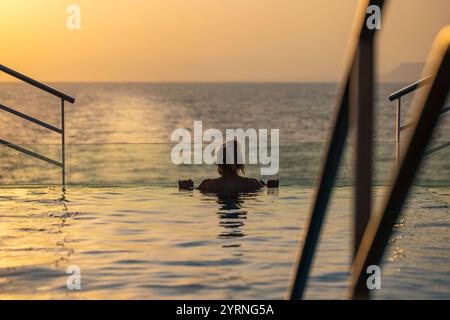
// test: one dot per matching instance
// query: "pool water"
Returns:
(143, 239)
(150, 242)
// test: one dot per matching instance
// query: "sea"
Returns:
(122, 224)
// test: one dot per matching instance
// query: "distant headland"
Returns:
(405, 72)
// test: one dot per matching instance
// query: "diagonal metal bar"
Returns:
(29, 118)
(446, 109)
(30, 153)
(333, 156)
(361, 110)
(330, 167)
(437, 148)
(428, 108)
(412, 87)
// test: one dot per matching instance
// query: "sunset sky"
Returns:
(204, 40)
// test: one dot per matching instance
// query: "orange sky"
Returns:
(204, 40)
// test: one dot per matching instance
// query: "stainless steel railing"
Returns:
(64, 97)
(428, 108)
(354, 109)
(397, 96)
(355, 98)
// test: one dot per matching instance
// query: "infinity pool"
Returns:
(148, 242)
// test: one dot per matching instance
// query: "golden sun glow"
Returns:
(203, 40)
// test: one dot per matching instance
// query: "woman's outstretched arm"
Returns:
(186, 184)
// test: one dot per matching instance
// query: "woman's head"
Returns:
(230, 160)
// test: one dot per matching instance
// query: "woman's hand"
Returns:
(273, 183)
(186, 184)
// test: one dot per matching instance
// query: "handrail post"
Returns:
(63, 146)
(398, 127)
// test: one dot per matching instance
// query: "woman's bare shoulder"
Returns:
(206, 184)
(252, 183)
(242, 184)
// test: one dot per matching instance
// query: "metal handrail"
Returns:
(37, 84)
(410, 88)
(356, 92)
(428, 106)
(398, 96)
(31, 119)
(355, 103)
(31, 153)
(398, 125)
(437, 148)
(61, 131)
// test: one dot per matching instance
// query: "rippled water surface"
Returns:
(156, 242)
(142, 238)
(120, 133)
